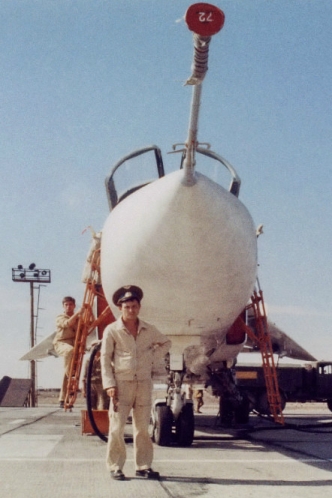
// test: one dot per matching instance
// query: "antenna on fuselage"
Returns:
(204, 20)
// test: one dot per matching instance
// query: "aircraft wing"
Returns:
(45, 348)
(282, 345)
(41, 350)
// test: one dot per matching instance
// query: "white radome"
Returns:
(193, 251)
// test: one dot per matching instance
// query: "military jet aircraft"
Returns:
(191, 245)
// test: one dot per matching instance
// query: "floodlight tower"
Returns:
(32, 275)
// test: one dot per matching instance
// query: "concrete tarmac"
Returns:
(44, 454)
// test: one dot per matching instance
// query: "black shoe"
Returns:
(148, 474)
(118, 475)
(61, 404)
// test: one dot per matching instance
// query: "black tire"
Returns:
(185, 426)
(242, 411)
(263, 406)
(162, 433)
(226, 412)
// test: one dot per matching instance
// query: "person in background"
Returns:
(199, 400)
(130, 348)
(66, 328)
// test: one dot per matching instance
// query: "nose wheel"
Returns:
(162, 426)
(166, 431)
(185, 426)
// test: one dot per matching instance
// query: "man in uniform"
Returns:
(130, 348)
(66, 326)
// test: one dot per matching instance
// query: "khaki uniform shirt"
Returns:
(64, 332)
(124, 358)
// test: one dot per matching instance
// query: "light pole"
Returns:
(31, 275)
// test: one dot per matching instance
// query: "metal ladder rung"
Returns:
(87, 323)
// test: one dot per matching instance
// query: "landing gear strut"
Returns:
(173, 419)
(233, 406)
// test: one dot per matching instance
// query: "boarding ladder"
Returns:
(86, 324)
(262, 339)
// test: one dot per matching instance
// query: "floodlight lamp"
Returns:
(32, 266)
(20, 267)
(22, 275)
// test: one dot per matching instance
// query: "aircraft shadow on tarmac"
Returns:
(246, 482)
(304, 438)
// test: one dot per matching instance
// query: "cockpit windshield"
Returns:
(145, 165)
(133, 172)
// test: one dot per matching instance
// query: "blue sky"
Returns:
(85, 82)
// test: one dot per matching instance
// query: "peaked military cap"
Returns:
(127, 293)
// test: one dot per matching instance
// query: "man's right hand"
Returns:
(112, 392)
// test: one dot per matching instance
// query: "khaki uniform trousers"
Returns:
(66, 350)
(136, 395)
